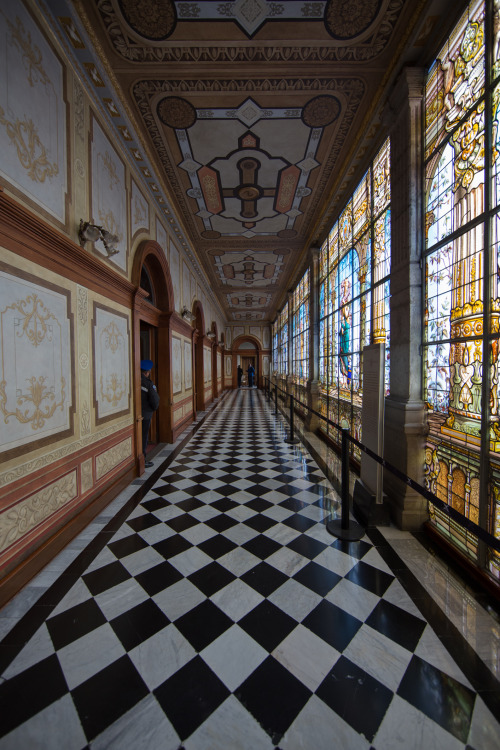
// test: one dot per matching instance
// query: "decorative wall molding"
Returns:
(20, 519)
(112, 457)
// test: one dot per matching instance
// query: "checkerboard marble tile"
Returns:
(217, 612)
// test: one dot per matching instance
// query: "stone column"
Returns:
(312, 421)
(405, 425)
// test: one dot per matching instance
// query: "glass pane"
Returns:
(456, 79)
(382, 178)
(495, 142)
(361, 206)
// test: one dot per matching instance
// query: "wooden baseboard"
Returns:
(25, 570)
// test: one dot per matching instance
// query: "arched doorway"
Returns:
(153, 306)
(247, 350)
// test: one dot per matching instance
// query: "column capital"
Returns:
(410, 84)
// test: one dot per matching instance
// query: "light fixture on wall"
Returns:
(210, 334)
(93, 232)
(221, 342)
(187, 315)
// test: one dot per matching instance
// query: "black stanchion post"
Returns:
(268, 389)
(345, 528)
(275, 399)
(291, 438)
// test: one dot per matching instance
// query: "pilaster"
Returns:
(404, 407)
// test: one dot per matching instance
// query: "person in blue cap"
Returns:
(150, 401)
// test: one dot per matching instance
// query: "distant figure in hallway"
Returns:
(251, 375)
(240, 375)
(150, 401)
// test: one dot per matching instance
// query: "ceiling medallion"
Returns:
(176, 112)
(347, 19)
(321, 111)
(152, 19)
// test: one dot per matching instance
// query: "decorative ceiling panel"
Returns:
(256, 112)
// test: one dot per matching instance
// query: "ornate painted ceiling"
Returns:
(256, 113)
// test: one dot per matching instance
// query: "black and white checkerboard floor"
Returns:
(215, 612)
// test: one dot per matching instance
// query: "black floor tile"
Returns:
(155, 503)
(158, 578)
(298, 522)
(353, 549)
(264, 578)
(190, 503)
(190, 696)
(224, 504)
(138, 624)
(105, 578)
(217, 546)
(143, 522)
(317, 578)
(361, 700)
(29, 692)
(181, 523)
(102, 699)
(262, 546)
(74, 623)
(260, 523)
(274, 697)
(221, 523)
(307, 546)
(211, 578)
(331, 623)
(172, 546)
(267, 624)
(397, 624)
(293, 504)
(127, 546)
(439, 696)
(258, 504)
(203, 624)
(370, 578)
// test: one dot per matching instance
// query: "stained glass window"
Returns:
(275, 339)
(354, 294)
(283, 341)
(461, 327)
(300, 332)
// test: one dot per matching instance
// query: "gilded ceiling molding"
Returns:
(146, 94)
(360, 28)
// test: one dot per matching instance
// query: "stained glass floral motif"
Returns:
(283, 341)
(354, 294)
(300, 331)
(460, 332)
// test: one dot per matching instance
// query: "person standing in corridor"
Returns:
(150, 401)
(251, 375)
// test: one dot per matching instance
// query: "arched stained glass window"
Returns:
(462, 272)
(354, 294)
(283, 342)
(300, 334)
(275, 337)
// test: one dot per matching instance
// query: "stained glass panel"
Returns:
(460, 332)
(300, 331)
(456, 79)
(354, 296)
(495, 143)
(382, 179)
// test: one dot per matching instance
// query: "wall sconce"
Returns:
(221, 342)
(92, 233)
(187, 315)
(210, 334)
